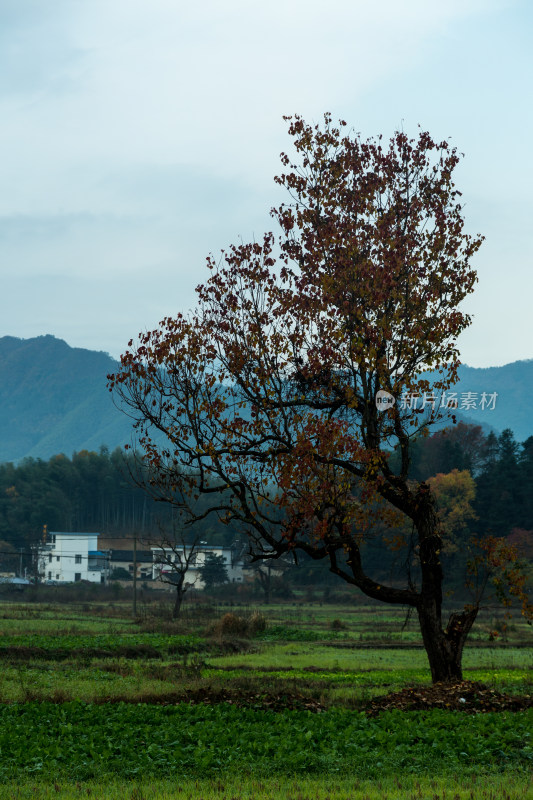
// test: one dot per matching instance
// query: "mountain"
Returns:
(513, 385)
(54, 399)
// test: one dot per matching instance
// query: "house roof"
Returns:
(128, 555)
(72, 533)
(197, 547)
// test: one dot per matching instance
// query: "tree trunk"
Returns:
(265, 581)
(444, 648)
(177, 602)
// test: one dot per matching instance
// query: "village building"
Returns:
(162, 570)
(70, 557)
(126, 559)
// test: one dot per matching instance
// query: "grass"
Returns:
(377, 623)
(510, 786)
(302, 655)
(95, 679)
(85, 743)
(70, 625)
(61, 644)
(362, 623)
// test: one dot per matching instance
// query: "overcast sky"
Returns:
(138, 137)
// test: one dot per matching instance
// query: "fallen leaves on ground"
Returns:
(469, 696)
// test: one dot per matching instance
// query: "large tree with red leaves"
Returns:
(266, 393)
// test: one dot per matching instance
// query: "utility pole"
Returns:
(135, 575)
(38, 551)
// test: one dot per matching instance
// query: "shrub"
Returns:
(230, 625)
(121, 574)
(257, 623)
(337, 625)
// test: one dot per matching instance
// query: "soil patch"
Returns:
(242, 699)
(29, 653)
(470, 696)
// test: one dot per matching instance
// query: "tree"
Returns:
(454, 493)
(460, 447)
(213, 571)
(9, 557)
(175, 554)
(501, 498)
(120, 574)
(271, 576)
(298, 372)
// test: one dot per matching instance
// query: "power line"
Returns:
(44, 553)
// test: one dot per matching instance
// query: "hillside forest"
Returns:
(483, 484)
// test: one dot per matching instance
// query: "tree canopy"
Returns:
(213, 571)
(293, 380)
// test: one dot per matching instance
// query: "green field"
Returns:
(97, 704)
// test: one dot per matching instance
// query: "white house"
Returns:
(71, 557)
(232, 559)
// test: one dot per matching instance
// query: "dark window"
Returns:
(49, 576)
(50, 557)
(57, 558)
(57, 577)
(77, 576)
(77, 559)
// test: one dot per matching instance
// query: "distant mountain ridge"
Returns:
(54, 399)
(513, 385)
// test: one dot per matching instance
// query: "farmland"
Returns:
(95, 703)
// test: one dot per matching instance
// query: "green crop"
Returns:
(285, 634)
(83, 741)
(102, 641)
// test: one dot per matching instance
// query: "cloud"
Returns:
(205, 84)
(137, 137)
